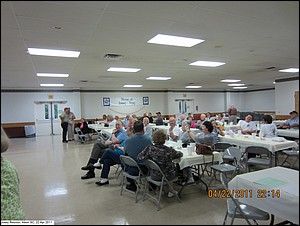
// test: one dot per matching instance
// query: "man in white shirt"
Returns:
(174, 130)
(247, 126)
(268, 129)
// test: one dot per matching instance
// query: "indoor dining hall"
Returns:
(149, 113)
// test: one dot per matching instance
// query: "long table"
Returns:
(244, 141)
(193, 160)
(274, 190)
(294, 133)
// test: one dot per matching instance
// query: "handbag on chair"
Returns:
(203, 149)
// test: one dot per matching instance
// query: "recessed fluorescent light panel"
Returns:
(290, 70)
(240, 87)
(52, 75)
(236, 84)
(158, 78)
(120, 69)
(133, 86)
(53, 52)
(52, 85)
(174, 40)
(230, 80)
(193, 87)
(206, 63)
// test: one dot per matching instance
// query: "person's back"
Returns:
(163, 156)
(134, 145)
(11, 208)
(268, 129)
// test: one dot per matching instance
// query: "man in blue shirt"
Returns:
(293, 122)
(133, 146)
(117, 136)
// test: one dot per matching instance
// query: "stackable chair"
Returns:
(221, 146)
(130, 162)
(233, 154)
(152, 166)
(81, 136)
(263, 157)
(235, 209)
(289, 154)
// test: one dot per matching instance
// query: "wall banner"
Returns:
(126, 101)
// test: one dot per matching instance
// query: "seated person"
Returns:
(117, 136)
(192, 123)
(184, 134)
(112, 157)
(201, 121)
(205, 136)
(268, 129)
(150, 117)
(173, 131)
(181, 120)
(148, 130)
(83, 126)
(133, 146)
(217, 130)
(247, 126)
(292, 123)
(163, 156)
(159, 120)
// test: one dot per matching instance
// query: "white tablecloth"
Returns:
(278, 122)
(194, 159)
(288, 133)
(245, 141)
(283, 180)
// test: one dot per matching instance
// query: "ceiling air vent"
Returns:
(112, 56)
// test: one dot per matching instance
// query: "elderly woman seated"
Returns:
(163, 156)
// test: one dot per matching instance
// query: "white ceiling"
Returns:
(249, 36)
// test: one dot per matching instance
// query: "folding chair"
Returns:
(152, 166)
(221, 146)
(235, 155)
(81, 136)
(263, 157)
(130, 162)
(235, 209)
(288, 155)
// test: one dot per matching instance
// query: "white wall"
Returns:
(259, 101)
(19, 106)
(284, 96)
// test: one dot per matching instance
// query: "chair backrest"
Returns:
(128, 161)
(78, 131)
(234, 152)
(153, 166)
(258, 150)
(221, 146)
(224, 181)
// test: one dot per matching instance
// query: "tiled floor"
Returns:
(51, 189)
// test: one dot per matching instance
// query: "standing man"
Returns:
(232, 112)
(64, 118)
(71, 125)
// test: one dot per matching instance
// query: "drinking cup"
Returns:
(190, 150)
